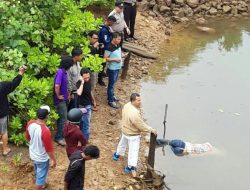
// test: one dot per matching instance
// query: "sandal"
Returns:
(5, 153)
(94, 108)
(45, 186)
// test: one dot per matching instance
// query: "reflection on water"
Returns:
(185, 45)
(205, 79)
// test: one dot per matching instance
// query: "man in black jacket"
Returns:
(74, 177)
(6, 87)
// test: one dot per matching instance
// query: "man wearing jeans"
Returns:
(61, 96)
(40, 146)
(85, 100)
(113, 56)
(132, 127)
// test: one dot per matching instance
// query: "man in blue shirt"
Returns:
(113, 56)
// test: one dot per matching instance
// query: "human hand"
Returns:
(60, 97)
(96, 45)
(22, 69)
(53, 164)
(128, 31)
(154, 132)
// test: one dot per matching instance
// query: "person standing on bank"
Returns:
(132, 127)
(95, 49)
(120, 24)
(61, 96)
(40, 146)
(74, 177)
(105, 38)
(85, 100)
(72, 133)
(113, 56)
(6, 87)
(74, 75)
(130, 11)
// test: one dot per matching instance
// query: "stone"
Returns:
(167, 32)
(213, 11)
(226, 9)
(164, 9)
(234, 11)
(205, 7)
(184, 19)
(179, 13)
(179, 2)
(201, 21)
(193, 3)
(151, 13)
(168, 2)
(176, 18)
(151, 4)
(144, 6)
(188, 11)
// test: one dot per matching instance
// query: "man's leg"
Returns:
(133, 152)
(111, 84)
(85, 122)
(4, 133)
(127, 13)
(133, 13)
(41, 172)
(122, 146)
(62, 112)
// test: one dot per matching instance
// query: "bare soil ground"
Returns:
(16, 170)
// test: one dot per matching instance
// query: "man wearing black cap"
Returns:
(130, 16)
(40, 146)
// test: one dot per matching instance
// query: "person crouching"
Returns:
(72, 134)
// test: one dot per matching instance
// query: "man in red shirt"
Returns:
(40, 146)
(72, 133)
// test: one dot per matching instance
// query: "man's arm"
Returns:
(48, 145)
(141, 125)
(71, 173)
(57, 91)
(80, 87)
(108, 59)
(9, 87)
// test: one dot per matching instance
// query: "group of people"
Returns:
(74, 100)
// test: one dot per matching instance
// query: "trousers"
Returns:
(133, 143)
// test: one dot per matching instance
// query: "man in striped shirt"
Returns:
(40, 146)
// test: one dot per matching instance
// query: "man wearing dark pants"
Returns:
(113, 56)
(130, 11)
(61, 96)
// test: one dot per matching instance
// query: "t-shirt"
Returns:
(119, 25)
(61, 79)
(114, 52)
(85, 99)
(40, 142)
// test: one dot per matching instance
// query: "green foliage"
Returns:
(36, 33)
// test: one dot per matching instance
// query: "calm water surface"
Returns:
(205, 80)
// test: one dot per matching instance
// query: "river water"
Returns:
(205, 80)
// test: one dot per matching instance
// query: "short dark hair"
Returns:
(42, 113)
(111, 18)
(84, 71)
(66, 62)
(116, 35)
(93, 33)
(76, 51)
(133, 96)
(92, 151)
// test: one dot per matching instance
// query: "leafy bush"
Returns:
(36, 33)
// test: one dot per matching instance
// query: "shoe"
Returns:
(116, 99)
(115, 156)
(61, 142)
(131, 169)
(113, 105)
(133, 37)
(102, 83)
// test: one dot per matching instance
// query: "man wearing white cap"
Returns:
(40, 146)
